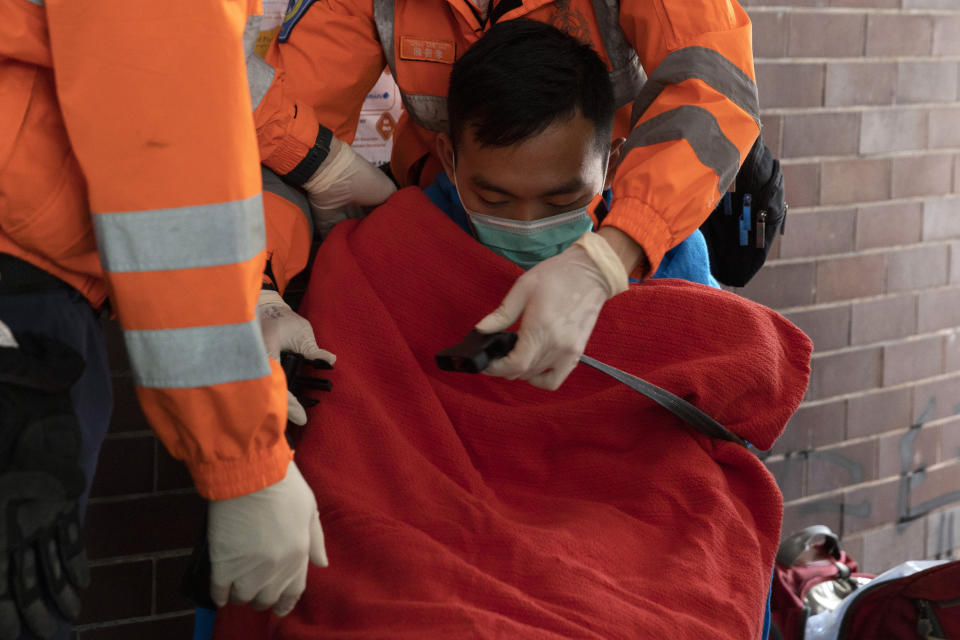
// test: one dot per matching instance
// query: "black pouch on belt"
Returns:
(743, 226)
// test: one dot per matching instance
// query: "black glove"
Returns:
(42, 559)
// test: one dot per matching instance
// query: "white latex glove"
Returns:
(345, 177)
(284, 330)
(559, 299)
(6, 336)
(260, 544)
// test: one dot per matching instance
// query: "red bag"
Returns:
(921, 606)
(812, 574)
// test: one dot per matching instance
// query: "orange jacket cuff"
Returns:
(233, 478)
(299, 138)
(646, 226)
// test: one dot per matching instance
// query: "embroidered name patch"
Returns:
(442, 51)
(295, 11)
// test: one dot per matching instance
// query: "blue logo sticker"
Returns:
(295, 11)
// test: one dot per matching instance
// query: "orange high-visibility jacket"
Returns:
(692, 122)
(129, 166)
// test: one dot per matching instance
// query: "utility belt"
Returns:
(19, 276)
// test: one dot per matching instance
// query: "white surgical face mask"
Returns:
(529, 242)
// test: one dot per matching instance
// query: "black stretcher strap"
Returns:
(674, 404)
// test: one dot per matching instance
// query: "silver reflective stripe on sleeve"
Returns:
(626, 75)
(273, 184)
(182, 237)
(259, 73)
(706, 65)
(259, 78)
(701, 130)
(383, 19)
(39, 3)
(430, 112)
(197, 356)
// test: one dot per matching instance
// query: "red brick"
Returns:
(789, 473)
(821, 134)
(938, 309)
(819, 233)
(938, 482)
(171, 473)
(870, 506)
(956, 174)
(127, 415)
(899, 35)
(169, 574)
(936, 399)
(943, 534)
(859, 83)
(143, 525)
(118, 591)
(782, 285)
(892, 545)
(886, 130)
(951, 352)
(945, 126)
(917, 268)
(815, 426)
(950, 439)
(125, 466)
(772, 129)
(828, 327)
(801, 184)
(825, 510)
(926, 82)
(954, 262)
(922, 176)
(871, 4)
(929, 4)
(885, 225)
(859, 180)
(842, 466)
(826, 35)
(854, 277)
(883, 319)
(159, 629)
(790, 84)
(941, 218)
(920, 445)
(781, 3)
(845, 372)
(853, 545)
(912, 360)
(769, 34)
(877, 412)
(945, 40)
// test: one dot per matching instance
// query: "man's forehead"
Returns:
(560, 159)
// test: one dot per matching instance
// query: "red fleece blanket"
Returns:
(460, 506)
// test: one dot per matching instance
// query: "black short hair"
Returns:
(521, 77)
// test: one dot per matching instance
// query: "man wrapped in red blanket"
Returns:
(471, 506)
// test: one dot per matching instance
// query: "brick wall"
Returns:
(860, 100)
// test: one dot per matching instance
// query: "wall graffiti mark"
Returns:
(911, 477)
